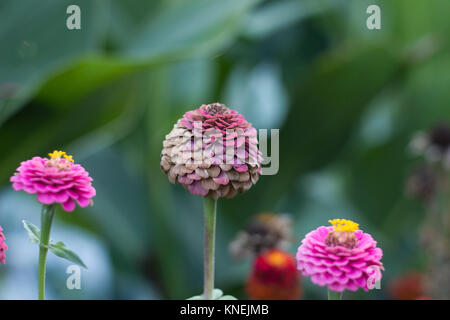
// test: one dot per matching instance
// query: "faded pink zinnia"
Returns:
(55, 180)
(212, 151)
(340, 257)
(3, 246)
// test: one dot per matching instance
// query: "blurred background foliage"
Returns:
(346, 99)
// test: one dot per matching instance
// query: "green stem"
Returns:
(48, 212)
(334, 295)
(210, 206)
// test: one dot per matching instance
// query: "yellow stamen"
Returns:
(68, 158)
(58, 154)
(276, 259)
(344, 225)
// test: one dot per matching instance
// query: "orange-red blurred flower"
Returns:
(274, 276)
(409, 286)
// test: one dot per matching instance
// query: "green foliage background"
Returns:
(346, 99)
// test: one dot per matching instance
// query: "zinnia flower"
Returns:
(422, 184)
(409, 286)
(434, 145)
(274, 277)
(55, 180)
(264, 232)
(340, 257)
(212, 151)
(3, 246)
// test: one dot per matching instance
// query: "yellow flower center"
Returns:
(342, 233)
(344, 225)
(58, 154)
(276, 259)
(60, 160)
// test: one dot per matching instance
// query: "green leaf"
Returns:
(59, 248)
(62, 251)
(33, 232)
(227, 297)
(217, 295)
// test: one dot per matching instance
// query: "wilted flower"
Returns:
(409, 286)
(266, 231)
(55, 180)
(440, 137)
(421, 184)
(274, 277)
(434, 145)
(432, 185)
(436, 245)
(212, 151)
(3, 246)
(340, 257)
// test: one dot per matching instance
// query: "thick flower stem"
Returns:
(210, 206)
(334, 295)
(48, 212)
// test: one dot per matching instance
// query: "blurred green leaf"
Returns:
(275, 16)
(376, 191)
(43, 127)
(412, 22)
(181, 32)
(33, 232)
(28, 53)
(196, 27)
(85, 76)
(325, 110)
(120, 211)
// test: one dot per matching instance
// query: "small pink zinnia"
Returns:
(340, 257)
(3, 246)
(55, 180)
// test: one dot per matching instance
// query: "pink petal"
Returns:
(69, 205)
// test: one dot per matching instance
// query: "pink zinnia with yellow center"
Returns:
(55, 180)
(340, 257)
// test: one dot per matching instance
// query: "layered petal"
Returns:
(213, 145)
(3, 246)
